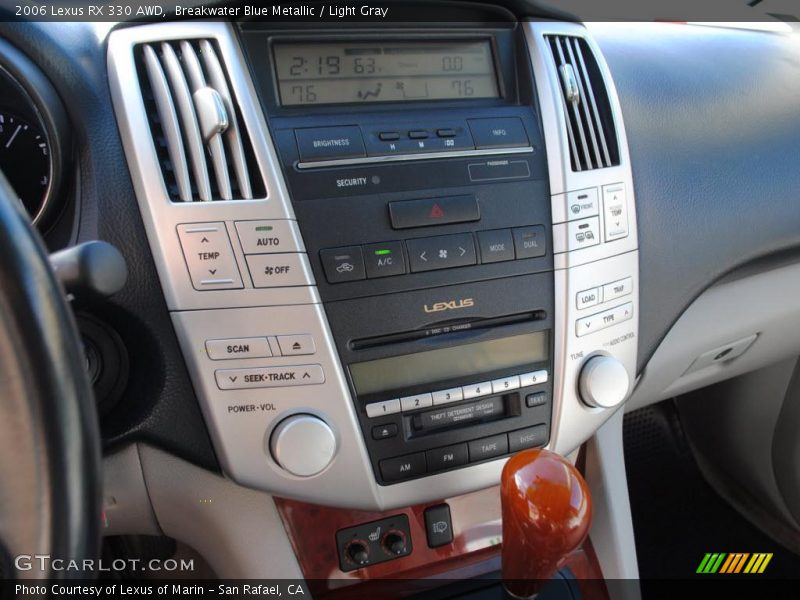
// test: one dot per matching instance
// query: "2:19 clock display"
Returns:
(362, 72)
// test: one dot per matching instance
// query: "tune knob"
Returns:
(303, 445)
(603, 382)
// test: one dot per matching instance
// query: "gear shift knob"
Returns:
(546, 515)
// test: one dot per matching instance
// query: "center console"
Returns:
(392, 258)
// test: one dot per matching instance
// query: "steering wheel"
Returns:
(50, 482)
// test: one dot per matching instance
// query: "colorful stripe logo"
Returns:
(736, 562)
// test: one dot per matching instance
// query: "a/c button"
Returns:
(384, 260)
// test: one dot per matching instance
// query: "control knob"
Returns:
(358, 552)
(394, 542)
(303, 445)
(603, 382)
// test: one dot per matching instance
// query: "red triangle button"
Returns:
(436, 212)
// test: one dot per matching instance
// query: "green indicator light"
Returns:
(264, 228)
(382, 252)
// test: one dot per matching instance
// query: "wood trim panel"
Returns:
(475, 551)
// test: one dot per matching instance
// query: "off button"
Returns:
(279, 270)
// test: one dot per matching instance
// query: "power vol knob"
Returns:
(603, 382)
(303, 445)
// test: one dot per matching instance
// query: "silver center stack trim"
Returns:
(578, 267)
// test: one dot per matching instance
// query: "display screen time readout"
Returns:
(358, 72)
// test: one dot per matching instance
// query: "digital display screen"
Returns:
(364, 72)
(465, 361)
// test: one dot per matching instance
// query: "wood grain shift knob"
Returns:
(546, 516)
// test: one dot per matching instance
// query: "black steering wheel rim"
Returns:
(50, 481)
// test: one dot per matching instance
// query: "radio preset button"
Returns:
(343, 264)
(446, 396)
(588, 298)
(446, 133)
(503, 132)
(425, 212)
(533, 378)
(530, 437)
(415, 402)
(265, 377)
(296, 345)
(496, 245)
(379, 409)
(448, 457)
(255, 347)
(477, 390)
(403, 467)
(418, 134)
(505, 384)
(389, 136)
(325, 143)
(488, 447)
(529, 242)
(441, 252)
(384, 260)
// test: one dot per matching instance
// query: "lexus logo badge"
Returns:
(449, 305)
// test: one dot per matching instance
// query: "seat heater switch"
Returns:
(304, 445)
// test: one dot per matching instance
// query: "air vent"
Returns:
(590, 125)
(203, 149)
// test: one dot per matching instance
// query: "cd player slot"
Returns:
(447, 328)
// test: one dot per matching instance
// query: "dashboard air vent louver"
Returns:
(203, 149)
(590, 124)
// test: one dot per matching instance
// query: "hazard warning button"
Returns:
(406, 214)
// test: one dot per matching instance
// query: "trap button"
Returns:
(438, 525)
(343, 264)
